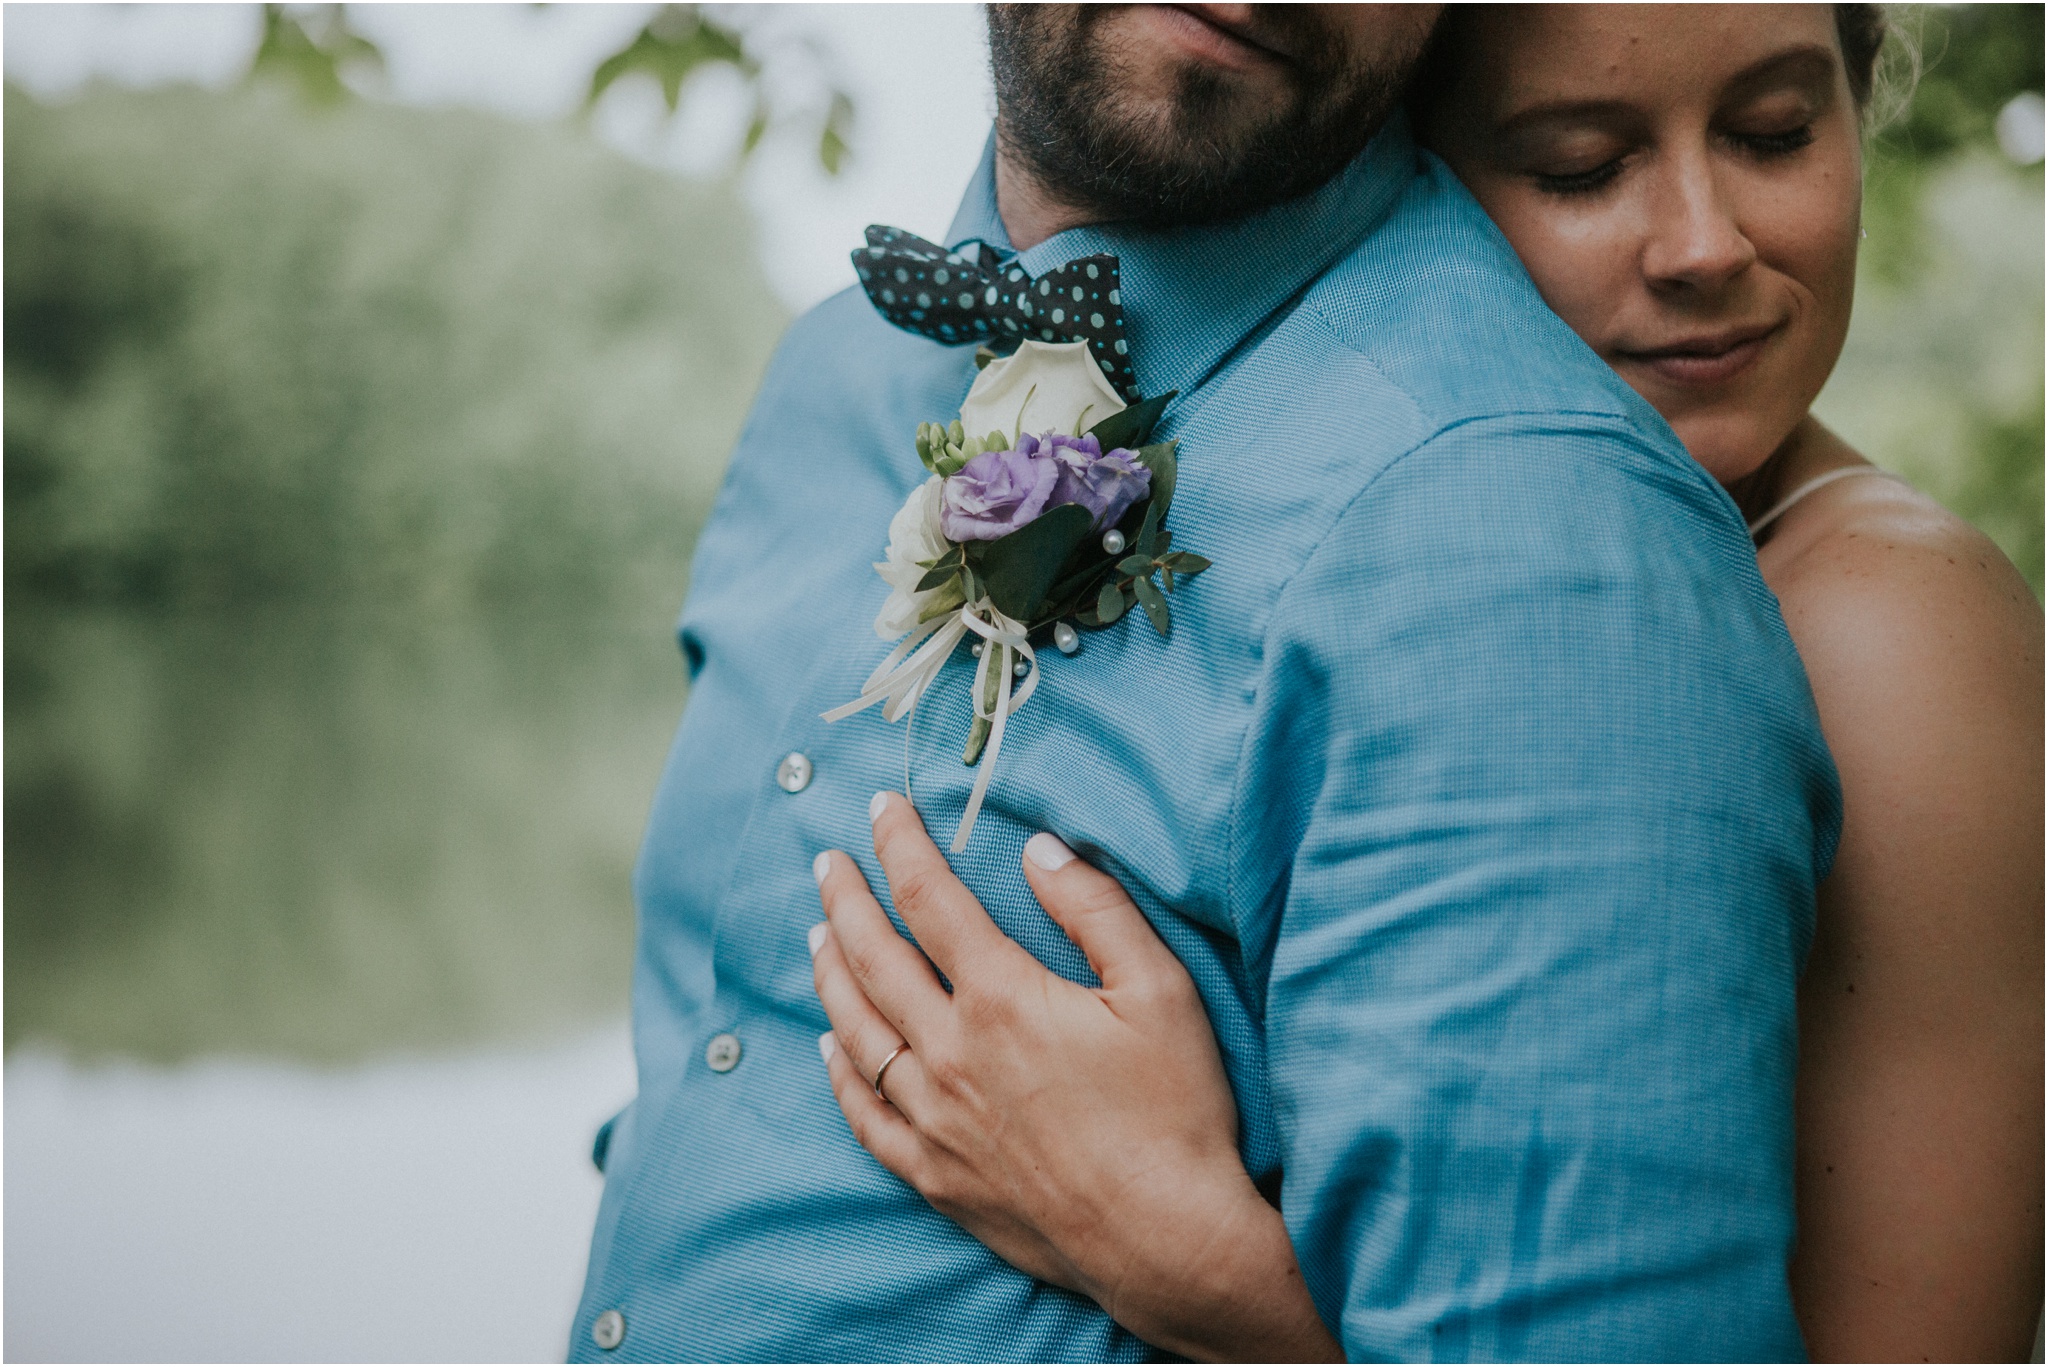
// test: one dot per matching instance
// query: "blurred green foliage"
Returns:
(1972, 58)
(371, 353)
(312, 52)
(680, 40)
(1957, 66)
(353, 460)
(1942, 376)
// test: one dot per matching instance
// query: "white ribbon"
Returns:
(901, 679)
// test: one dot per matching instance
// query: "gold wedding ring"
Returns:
(879, 1094)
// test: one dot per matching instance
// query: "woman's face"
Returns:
(1684, 185)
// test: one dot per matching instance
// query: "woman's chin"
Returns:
(1730, 447)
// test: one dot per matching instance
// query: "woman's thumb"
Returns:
(1095, 912)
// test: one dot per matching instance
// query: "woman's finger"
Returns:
(891, 973)
(876, 1125)
(1097, 914)
(865, 1034)
(947, 919)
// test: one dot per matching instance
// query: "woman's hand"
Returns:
(1087, 1136)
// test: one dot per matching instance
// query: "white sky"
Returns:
(918, 75)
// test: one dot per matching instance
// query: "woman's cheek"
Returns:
(1580, 262)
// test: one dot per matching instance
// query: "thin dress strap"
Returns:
(1817, 482)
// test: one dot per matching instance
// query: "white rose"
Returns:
(1066, 391)
(914, 535)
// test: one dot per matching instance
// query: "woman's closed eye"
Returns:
(1772, 146)
(1590, 181)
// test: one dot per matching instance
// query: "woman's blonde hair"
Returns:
(1881, 55)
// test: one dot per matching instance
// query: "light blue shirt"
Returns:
(1478, 785)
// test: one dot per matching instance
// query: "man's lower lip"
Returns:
(1208, 40)
(1699, 371)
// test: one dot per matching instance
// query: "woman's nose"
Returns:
(1695, 241)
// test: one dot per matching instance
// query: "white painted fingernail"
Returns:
(817, 937)
(876, 805)
(821, 866)
(1048, 851)
(826, 1044)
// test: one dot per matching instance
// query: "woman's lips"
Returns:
(1700, 363)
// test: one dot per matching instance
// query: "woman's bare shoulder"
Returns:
(1888, 593)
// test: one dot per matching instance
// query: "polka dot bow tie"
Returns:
(952, 298)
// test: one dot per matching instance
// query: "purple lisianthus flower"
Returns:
(1105, 483)
(997, 492)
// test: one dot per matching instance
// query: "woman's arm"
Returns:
(1920, 1073)
(1087, 1136)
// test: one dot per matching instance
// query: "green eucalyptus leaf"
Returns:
(1020, 568)
(1110, 604)
(1164, 464)
(1187, 562)
(937, 577)
(1129, 427)
(942, 605)
(1166, 577)
(1150, 599)
(1134, 565)
(1148, 531)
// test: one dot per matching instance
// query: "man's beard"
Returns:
(1062, 114)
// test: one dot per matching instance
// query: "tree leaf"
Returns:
(832, 144)
(1110, 604)
(1132, 425)
(934, 578)
(1134, 565)
(1187, 562)
(1162, 460)
(1150, 599)
(1019, 569)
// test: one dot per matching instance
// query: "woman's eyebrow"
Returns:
(1809, 66)
(1612, 114)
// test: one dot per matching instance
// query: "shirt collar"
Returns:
(1192, 294)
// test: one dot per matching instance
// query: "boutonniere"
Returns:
(1045, 514)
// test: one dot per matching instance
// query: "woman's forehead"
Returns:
(1524, 55)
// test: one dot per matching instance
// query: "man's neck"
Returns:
(1030, 212)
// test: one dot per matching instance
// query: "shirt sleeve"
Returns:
(1533, 807)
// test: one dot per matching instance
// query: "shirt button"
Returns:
(609, 1331)
(794, 773)
(722, 1055)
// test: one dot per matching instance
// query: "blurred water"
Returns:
(433, 1209)
(319, 931)
(320, 835)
